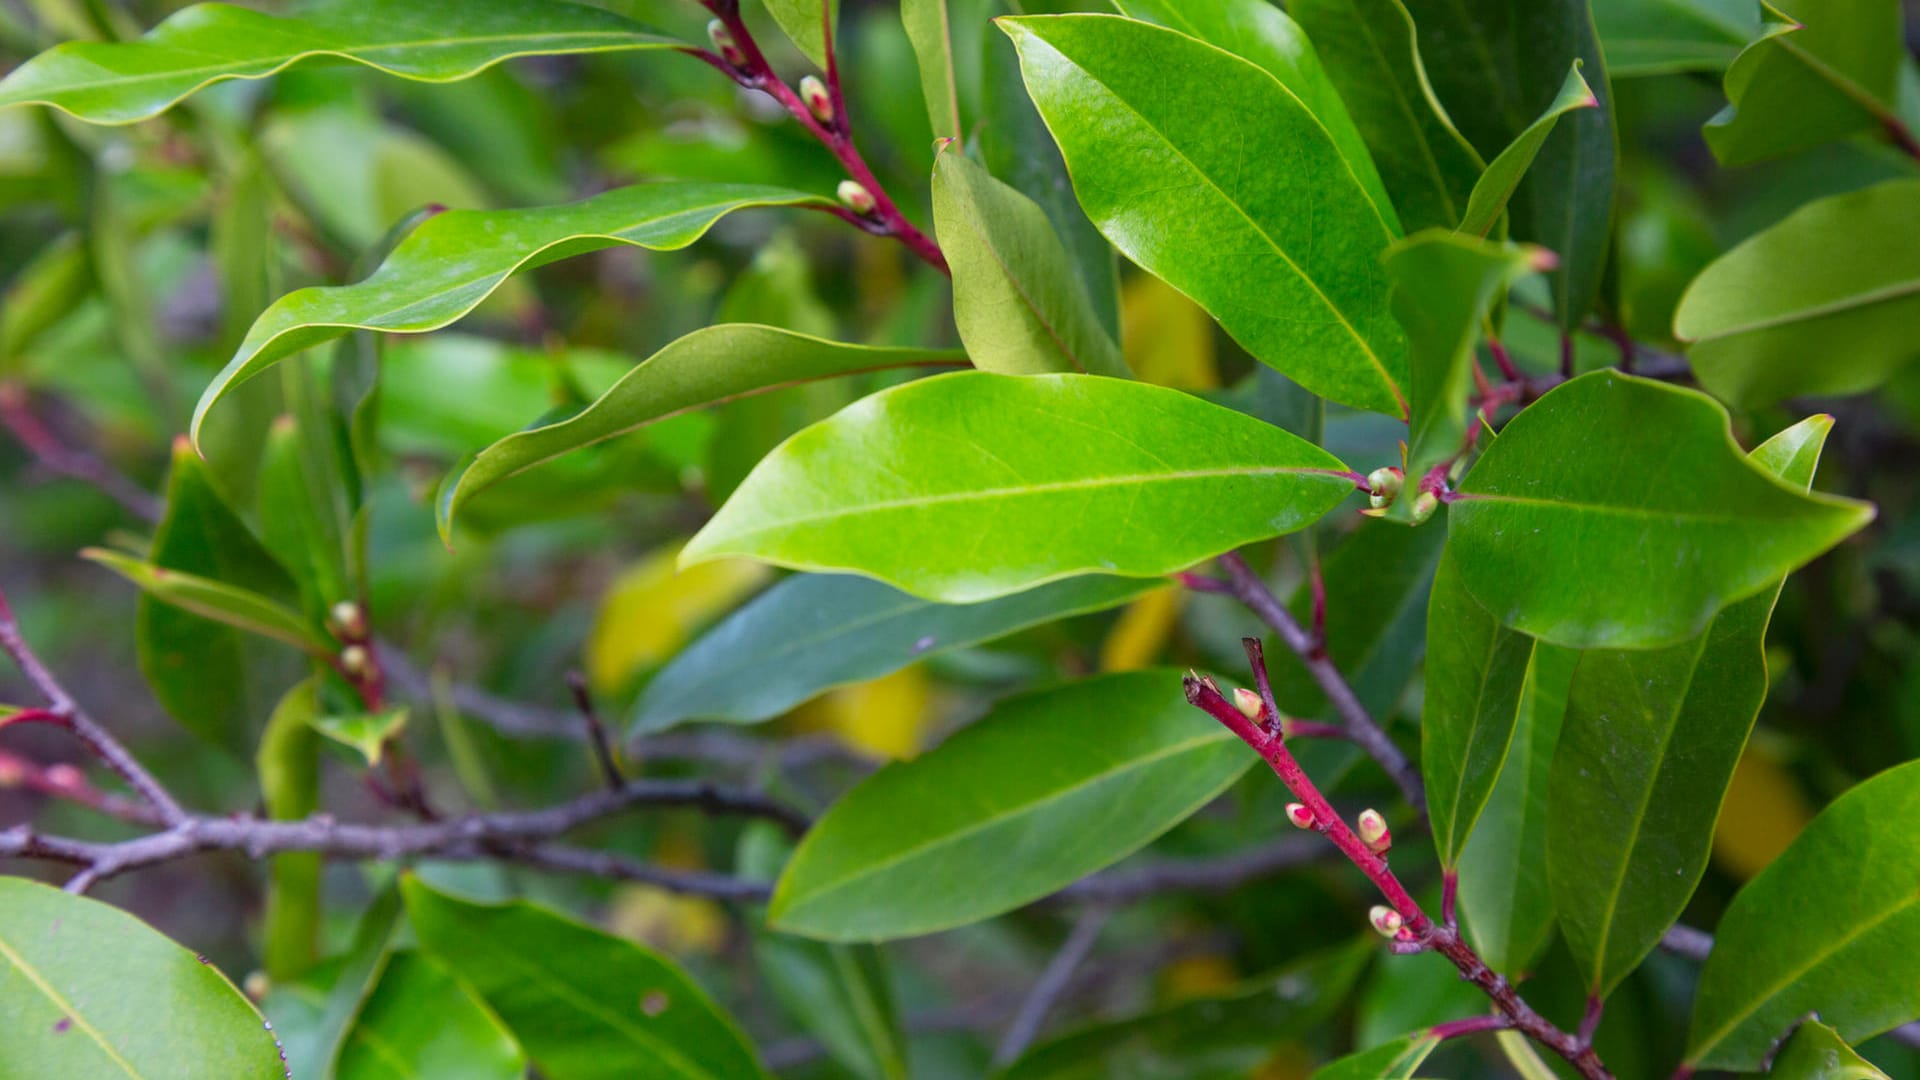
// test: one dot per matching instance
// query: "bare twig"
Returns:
(55, 456)
(1052, 982)
(596, 731)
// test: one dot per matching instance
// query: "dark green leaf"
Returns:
(707, 367)
(1820, 70)
(360, 971)
(1157, 129)
(973, 485)
(1831, 927)
(44, 292)
(120, 82)
(1496, 186)
(1618, 512)
(1665, 37)
(1049, 788)
(88, 990)
(302, 509)
(1019, 306)
(583, 1004)
(1648, 749)
(813, 632)
(1815, 1052)
(447, 266)
(420, 1024)
(1398, 1059)
(1822, 303)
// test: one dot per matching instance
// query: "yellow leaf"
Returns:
(1198, 976)
(653, 609)
(887, 717)
(681, 925)
(1140, 634)
(1764, 810)
(1167, 338)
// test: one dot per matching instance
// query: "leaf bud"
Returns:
(1385, 920)
(1301, 817)
(819, 102)
(1383, 486)
(1374, 833)
(257, 986)
(1248, 703)
(356, 662)
(347, 620)
(1424, 506)
(722, 39)
(856, 197)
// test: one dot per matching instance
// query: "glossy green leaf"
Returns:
(120, 82)
(447, 266)
(421, 1024)
(1016, 299)
(1398, 1059)
(1505, 897)
(1371, 55)
(1815, 1052)
(1618, 512)
(302, 507)
(1047, 789)
(288, 764)
(1665, 37)
(813, 632)
(215, 600)
(710, 366)
(1157, 129)
(1477, 673)
(805, 23)
(1497, 66)
(1820, 70)
(583, 1004)
(1444, 286)
(365, 733)
(969, 486)
(1495, 188)
(1648, 749)
(1822, 303)
(1831, 927)
(88, 990)
(360, 971)
(930, 29)
(1257, 31)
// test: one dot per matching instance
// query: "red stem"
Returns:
(1472, 1025)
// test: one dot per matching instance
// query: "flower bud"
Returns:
(819, 102)
(1374, 833)
(1248, 703)
(1301, 817)
(347, 620)
(1386, 920)
(1383, 486)
(1424, 506)
(257, 985)
(356, 661)
(722, 39)
(856, 197)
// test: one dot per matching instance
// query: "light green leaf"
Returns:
(447, 266)
(1831, 927)
(1496, 186)
(1667, 37)
(1505, 897)
(288, 763)
(1047, 789)
(1259, 32)
(120, 82)
(710, 366)
(930, 29)
(1444, 286)
(421, 1024)
(366, 733)
(813, 632)
(1649, 746)
(1618, 512)
(215, 600)
(44, 291)
(1822, 303)
(1820, 70)
(1016, 299)
(1815, 1052)
(803, 21)
(88, 990)
(1398, 1059)
(584, 1005)
(1372, 57)
(969, 486)
(1157, 130)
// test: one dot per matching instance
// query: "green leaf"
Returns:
(707, 367)
(1019, 306)
(421, 1024)
(930, 29)
(288, 763)
(805, 23)
(1799, 86)
(89, 990)
(215, 600)
(1831, 927)
(584, 1005)
(1261, 33)
(366, 733)
(1815, 1052)
(1373, 59)
(973, 485)
(1822, 303)
(302, 508)
(1156, 129)
(1648, 749)
(359, 973)
(1497, 67)
(1618, 512)
(1495, 188)
(44, 291)
(1047, 789)
(813, 632)
(1668, 37)
(1398, 1059)
(447, 266)
(1477, 672)
(1505, 897)
(120, 82)
(1444, 286)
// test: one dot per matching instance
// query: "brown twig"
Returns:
(1051, 985)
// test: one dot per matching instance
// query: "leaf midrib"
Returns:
(1685, 516)
(33, 976)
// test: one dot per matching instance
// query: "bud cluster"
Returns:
(1383, 486)
(855, 197)
(723, 42)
